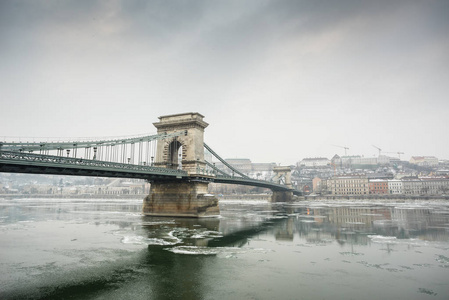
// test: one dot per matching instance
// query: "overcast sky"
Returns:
(278, 81)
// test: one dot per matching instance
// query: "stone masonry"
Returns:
(184, 198)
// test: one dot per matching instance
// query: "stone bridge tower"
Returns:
(282, 175)
(186, 151)
(186, 197)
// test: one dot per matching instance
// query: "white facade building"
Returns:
(395, 187)
(435, 186)
(314, 162)
(348, 185)
(360, 160)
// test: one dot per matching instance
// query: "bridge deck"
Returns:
(20, 162)
(255, 182)
(16, 162)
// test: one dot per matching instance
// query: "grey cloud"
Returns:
(267, 68)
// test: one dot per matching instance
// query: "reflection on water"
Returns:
(105, 249)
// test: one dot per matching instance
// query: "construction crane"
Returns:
(346, 148)
(380, 150)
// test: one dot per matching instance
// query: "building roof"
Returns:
(423, 157)
(316, 158)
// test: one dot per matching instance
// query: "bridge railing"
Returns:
(137, 150)
(133, 154)
(12, 157)
(252, 182)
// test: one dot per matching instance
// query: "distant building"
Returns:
(383, 160)
(420, 186)
(357, 160)
(361, 185)
(243, 165)
(261, 171)
(424, 161)
(370, 161)
(316, 184)
(404, 175)
(348, 185)
(379, 175)
(319, 185)
(378, 186)
(395, 186)
(435, 185)
(314, 162)
(412, 186)
(336, 160)
(263, 167)
(347, 161)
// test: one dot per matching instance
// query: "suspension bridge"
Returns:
(176, 161)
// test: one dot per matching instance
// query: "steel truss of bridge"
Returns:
(115, 158)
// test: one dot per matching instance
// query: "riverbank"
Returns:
(387, 198)
(74, 196)
(266, 197)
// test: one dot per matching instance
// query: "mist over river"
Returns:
(106, 249)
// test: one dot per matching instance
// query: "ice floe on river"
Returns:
(226, 251)
(140, 240)
(394, 240)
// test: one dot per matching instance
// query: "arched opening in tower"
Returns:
(175, 151)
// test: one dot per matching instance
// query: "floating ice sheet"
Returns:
(227, 251)
(393, 240)
(140, 240)
(193, 250)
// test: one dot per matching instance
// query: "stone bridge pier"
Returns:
(183, 197)
(282, 175)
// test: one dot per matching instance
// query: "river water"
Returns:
(105, 249)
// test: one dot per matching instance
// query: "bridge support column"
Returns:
(180, 199)
(282, 196)
(189, 197)
(282, 175)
